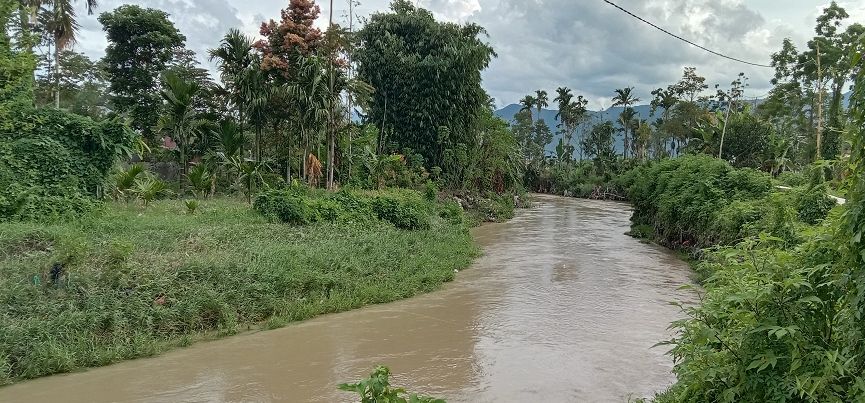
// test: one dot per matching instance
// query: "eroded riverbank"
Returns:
(562, 307)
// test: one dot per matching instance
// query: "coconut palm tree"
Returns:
(627, 120)
(541, 101)
(180, 117)
(563, 99)
(58, 19)
(528, 103)
(311, 93)
(233, 58)
(625, 97)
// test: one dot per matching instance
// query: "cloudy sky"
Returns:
(586, 45)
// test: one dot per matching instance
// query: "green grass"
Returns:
(137, 281)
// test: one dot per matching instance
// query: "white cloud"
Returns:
(586, 45)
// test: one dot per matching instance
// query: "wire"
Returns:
(683, 39)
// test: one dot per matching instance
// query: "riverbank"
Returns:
(134, 281)
(561, 306)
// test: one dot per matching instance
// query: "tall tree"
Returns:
(427, 77)
(285, 46)
(82, 84)
(571, 113)
(599, 145)
(233, 57)
(58, 19)
(625, 97)
(666, 100)
(542, 101)
(179, 120)
(17, 62)
(140, 45)
(527, 104)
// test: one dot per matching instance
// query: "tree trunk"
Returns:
(56, 75)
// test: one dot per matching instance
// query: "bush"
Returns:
(52, 162)
(377, 388)
(814, 204)
(284, 206)
(451, 211)
(793, 179)
(403, 213)
(683, 199)
(404, 209)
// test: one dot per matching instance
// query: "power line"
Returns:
(683, 39)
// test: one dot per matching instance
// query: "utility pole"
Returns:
(819, 105)
(724, 130)
(331, 147)
(350, 75)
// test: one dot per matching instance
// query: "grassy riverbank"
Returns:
(133, 281)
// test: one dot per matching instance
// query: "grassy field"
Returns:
(133, 281)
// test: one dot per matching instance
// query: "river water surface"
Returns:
(562, 307)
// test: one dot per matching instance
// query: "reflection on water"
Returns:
(562, 307)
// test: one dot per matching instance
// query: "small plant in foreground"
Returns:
(191, 206)
(377, 389)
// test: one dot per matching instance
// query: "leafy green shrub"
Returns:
(771, 328)
(52, 162)
(377, 389)
(150, 188)
(683, 199)
(814, 204)
(403, 213)
(451, 211)
(324, 209)
(793, 179)
(430, 191)
(284, 207)
(747, 183)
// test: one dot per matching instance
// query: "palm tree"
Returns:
(665, 99)
(257, 93)
(541, 101)
(311, 92)
(180, 117)
(528, 103)
(626, 119)
(58, 18)
(563, 99)
(624, 97)
(233, 58)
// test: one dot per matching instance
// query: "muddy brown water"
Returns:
(562, 307)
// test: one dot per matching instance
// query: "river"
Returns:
(562, 307)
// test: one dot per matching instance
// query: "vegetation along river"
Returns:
(562, 307)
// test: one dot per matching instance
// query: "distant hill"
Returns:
(610, 114)
(549, 116)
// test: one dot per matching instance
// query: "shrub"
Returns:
(430, 191)
(451, 211)
(403, 213)
(683, 199)
(52, 162)
(793, 179)
(284, 206)
(377, 388)
(814, 204)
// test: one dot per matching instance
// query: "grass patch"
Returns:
(132, 282)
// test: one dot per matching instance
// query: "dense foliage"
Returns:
(779, 321)
(53, 163)
(427, 80)
(16, 61)
(140, 45)
(697, 200)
